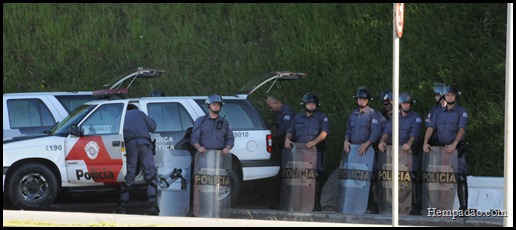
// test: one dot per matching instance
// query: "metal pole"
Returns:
(508, 172)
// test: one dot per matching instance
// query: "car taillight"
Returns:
(269, 143)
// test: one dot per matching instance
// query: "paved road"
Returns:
(118, 220)
(102, 207)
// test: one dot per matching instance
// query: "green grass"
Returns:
(216, 48)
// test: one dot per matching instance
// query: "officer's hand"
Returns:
(347, 145)
(426, 148)
(225, 151)
(381, 146)
(362, 149)
(288, 144)
(449, 148)
(201, 149)
(405, 147)
(310, 144)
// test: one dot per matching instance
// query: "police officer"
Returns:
(283, 115)
(439, 103)
(450, 124)
(140, 149)
(409, 129)
(363, 128)
(386, 99)
(311, 127)
(212, 131)
(386, 111)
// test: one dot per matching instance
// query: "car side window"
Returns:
(239, 113)
(169, 117)
(105, 120)
(29, 113)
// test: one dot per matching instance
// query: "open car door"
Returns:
(272, 78)
(120, 86)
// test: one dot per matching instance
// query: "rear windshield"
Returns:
(70, 102)
(240, 114)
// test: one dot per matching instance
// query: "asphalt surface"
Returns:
(251, 210)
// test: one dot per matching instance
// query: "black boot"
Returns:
(317, 198)
(416, 195)
(124, 198)
(373, 197)
(462, 192)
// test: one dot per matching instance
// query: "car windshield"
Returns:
(61, 129)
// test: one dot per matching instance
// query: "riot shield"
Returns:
(439, 179)
(298, 178)
(174, 185)
(384, 160)
(173, 173)
(212, 186)
(354, 180)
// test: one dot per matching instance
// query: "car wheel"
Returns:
(32, 186)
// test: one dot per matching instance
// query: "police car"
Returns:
(30, 113)
(36, 112)
(87, 150)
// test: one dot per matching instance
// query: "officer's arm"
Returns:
(321, 137)
(428, 134)
(411, 141)
(459, 136)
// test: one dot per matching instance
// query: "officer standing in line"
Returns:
(311, 127)
(439, 103)
(140, 149)
(409, 129)
(363, 128)
(283, 115)
(386, 111)
(212, 131)
(450, 124)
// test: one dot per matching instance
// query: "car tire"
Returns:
(32, 186)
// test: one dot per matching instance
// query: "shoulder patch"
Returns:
(374, 121)
(418, 120)
(286, 117)
(325, 119)
(465, 115)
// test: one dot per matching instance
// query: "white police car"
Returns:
(30, 113)
(87, 149)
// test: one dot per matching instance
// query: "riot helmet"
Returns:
(451, 89)
(214, 98)
(386, 95)
(310, 97)
(438, 88)
(363, 92)
(406, 97)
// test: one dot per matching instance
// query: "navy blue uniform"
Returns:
(363, 127)
(282, 121)
(137, 126)
(428, 119)
(213, 134)
(305, 129)
(409, 126)
(446, 125)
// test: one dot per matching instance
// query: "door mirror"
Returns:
(74, 130)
